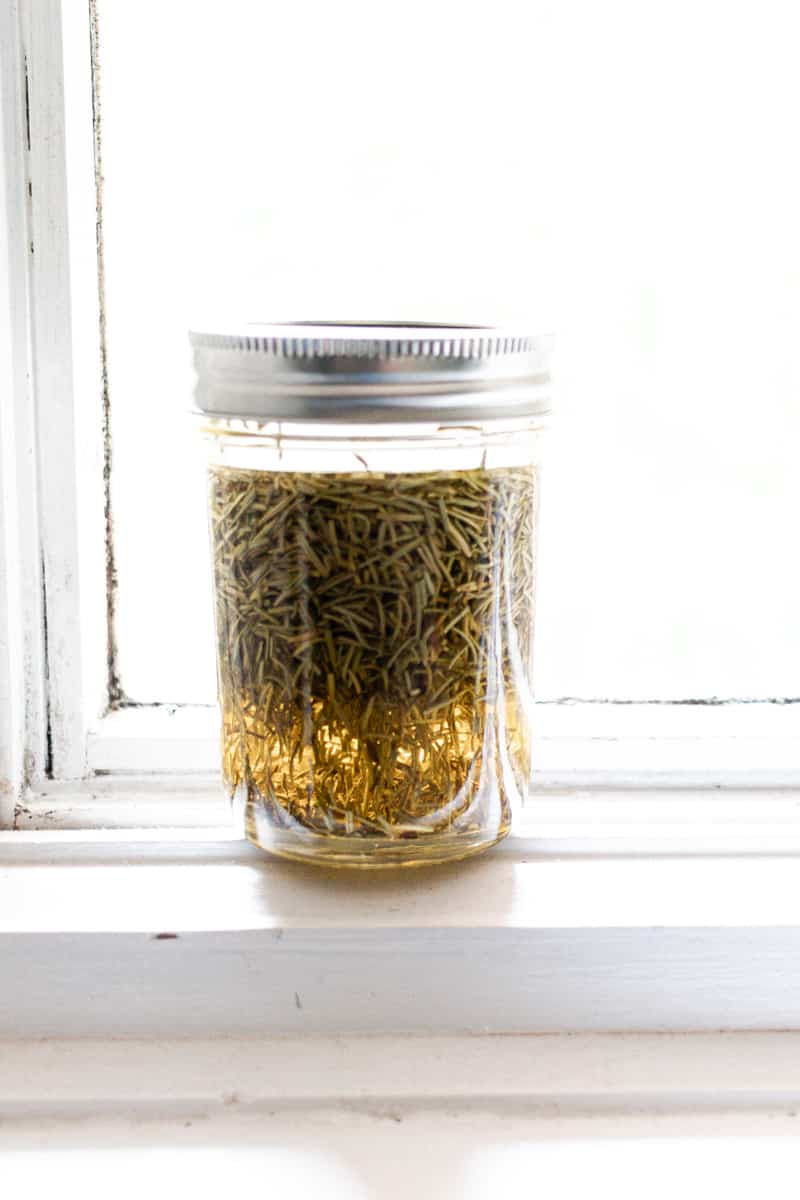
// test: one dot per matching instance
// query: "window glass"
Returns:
(622, 174)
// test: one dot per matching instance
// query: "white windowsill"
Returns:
(539, 1076)
(649, 885)
(569, 925)
(389, 1117)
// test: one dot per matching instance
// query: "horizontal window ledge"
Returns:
(178, 935)
(581, 814)
(703, 742)
(394, 1075)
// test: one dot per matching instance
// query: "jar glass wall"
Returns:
(374, 607)
(373, 498)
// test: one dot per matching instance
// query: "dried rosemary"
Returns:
(374, 646)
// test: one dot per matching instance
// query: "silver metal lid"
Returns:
(371, 371)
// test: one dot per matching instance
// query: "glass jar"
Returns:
(373, 500)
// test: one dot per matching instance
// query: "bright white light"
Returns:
(621, 173)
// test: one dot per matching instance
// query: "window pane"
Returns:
(620, 173)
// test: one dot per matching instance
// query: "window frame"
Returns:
(700, 799)
(53, 434)
(56, 576)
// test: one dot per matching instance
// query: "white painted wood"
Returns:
(586, 743)
(664, 722)
(511, 943)
(151, 1079)
(560, 820)
(50, 883)
(379, 1151)
(122, 985)
(54, 383)
(83, 227)
(156, 738)
(22, 669)
(159, 802)
(12, 682)
(382, 1152)
(52, 427)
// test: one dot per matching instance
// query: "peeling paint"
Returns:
(48, 757)
(27, 104)
(116, 695)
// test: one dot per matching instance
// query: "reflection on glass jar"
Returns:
(374, 578)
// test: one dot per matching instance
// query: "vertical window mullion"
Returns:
(53, 383)
(52, 579)
(22, 664)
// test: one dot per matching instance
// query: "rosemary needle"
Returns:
(357, 624)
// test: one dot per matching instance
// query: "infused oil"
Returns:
(373, 499)
(375, 652)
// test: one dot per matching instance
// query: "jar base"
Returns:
(370, 854)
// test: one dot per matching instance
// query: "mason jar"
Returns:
(373, 499)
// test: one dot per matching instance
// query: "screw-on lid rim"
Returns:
(370, 371)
